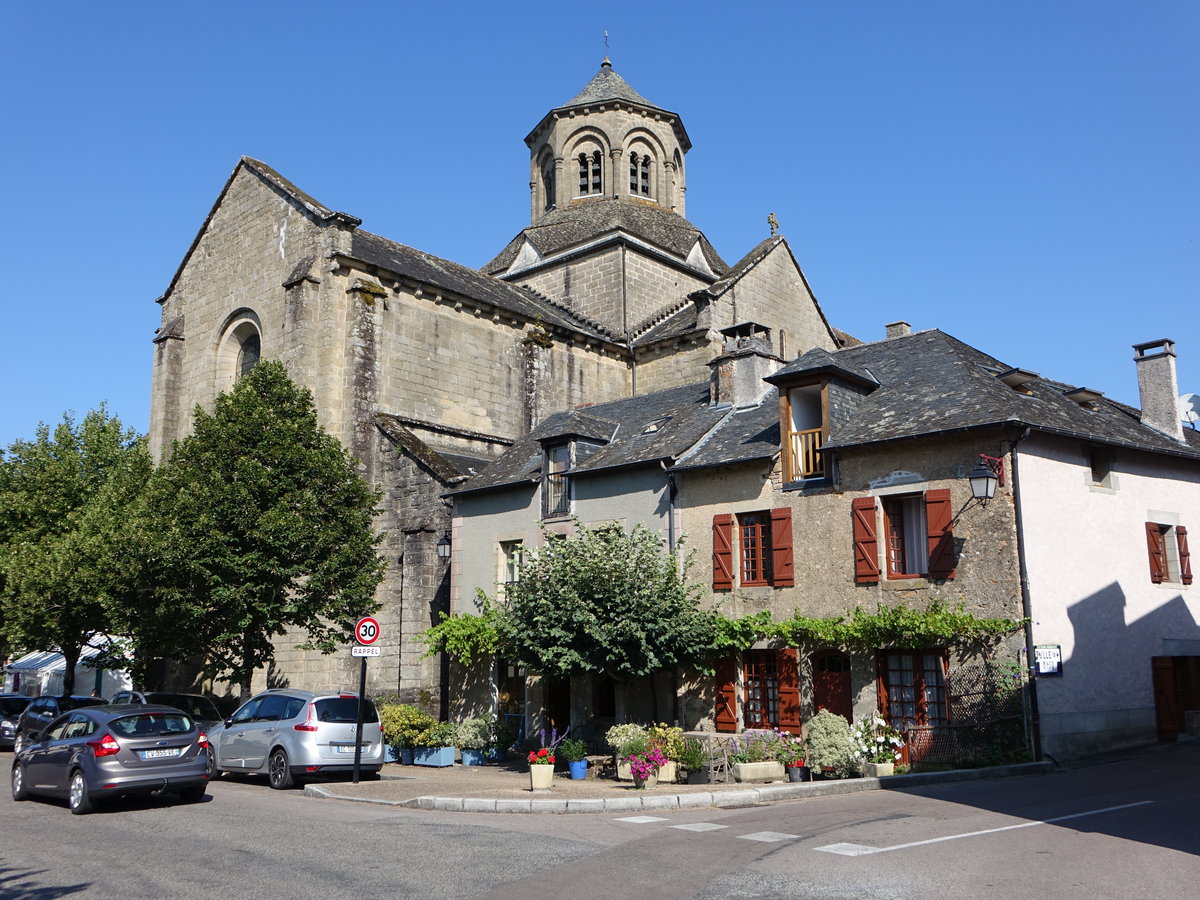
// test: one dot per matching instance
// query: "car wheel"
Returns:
(79, 799)
(213, 772)
(279, 770)
(192, 794)
(19, 790)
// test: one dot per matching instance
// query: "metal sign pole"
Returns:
(358, 719)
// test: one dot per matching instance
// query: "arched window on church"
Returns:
(591, 181)
(639, 175)
(548, 185)
(248, 353)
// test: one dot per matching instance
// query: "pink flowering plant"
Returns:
(643, 765)
(790, 750)
(875, 741)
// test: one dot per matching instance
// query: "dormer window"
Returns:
(805, 431)
(556, 489)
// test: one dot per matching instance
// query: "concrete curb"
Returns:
(733, 797)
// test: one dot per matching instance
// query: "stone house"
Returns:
(841, 480)
(428, 370)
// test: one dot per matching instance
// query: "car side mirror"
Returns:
(229, 723)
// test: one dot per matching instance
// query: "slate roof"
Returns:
(682, 416)
(561, 229)
(450, 276)
(930, 383)
(607, 85)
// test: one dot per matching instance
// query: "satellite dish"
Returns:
(1189, 408)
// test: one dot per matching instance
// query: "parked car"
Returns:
(289, 734)
(41, 711)
(11, 707)
(202, 710)
(96, 753)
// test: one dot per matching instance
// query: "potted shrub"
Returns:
(472, 737)
(791, 752)
(755, 756)
(626, 740)
(669, 740)
(402, 725)
(435, 745)
(541, 768)
(831, 745)
(575, 754)
(878, 746)
(694, 759)
(501, 738)
(644, 767)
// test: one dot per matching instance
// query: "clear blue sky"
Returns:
(1022, 175)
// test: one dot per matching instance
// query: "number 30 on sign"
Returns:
(367, 630)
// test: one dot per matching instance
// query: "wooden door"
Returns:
(1167, 709)
(831, 683)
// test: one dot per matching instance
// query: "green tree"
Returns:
(64, 500)
(603, 601)
(260, 524)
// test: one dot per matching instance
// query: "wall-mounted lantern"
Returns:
(443, 547)
(984, 478)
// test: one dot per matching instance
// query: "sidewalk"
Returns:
(505, 788)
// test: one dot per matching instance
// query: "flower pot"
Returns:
(666, 773)
(623, 773)
(541, 777)
(799, 773)
(472, 757)
(879, 770)
(697, 776)
(641, 783)
(433, 756)
(578, 770)
(390, 754)
(406, 756)
(770, 770)
(495, 754)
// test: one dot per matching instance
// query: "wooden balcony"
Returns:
(804, 457)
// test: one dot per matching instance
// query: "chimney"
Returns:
(898, 329)
(737, 374)
(1159, 386)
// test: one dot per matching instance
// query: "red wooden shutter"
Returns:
(866, 542)
(783, 572)
(1185, 558)
(722, 552)
(1158, 556)
(939, 520)
(725, 718)
(788, 666)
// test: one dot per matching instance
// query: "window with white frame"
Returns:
(511, 553)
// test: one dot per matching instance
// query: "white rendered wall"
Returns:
(1090, 588)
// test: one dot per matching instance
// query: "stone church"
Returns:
(428, 369)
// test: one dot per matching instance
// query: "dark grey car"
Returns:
(202, 710)
(96, 753)
(11, 707)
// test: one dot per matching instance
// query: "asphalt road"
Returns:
(1124, 829)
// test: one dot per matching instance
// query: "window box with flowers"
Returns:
(755, 756)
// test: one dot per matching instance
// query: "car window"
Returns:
(78, 725)
(151, 725)
(12, 706)
(271, 709)
(43, 708)
(295, 706)
(344, 709)
(68, 703)
(196, 707)
(122, 697)
(56, 729)
(246, 713)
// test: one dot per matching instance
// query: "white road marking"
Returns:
(768, 837)
(700, 826)
(863, 850)
(641, 820)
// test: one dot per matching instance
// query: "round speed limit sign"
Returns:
(367, 630)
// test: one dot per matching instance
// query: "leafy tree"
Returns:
(64, 499)
(261, 524)
(603, 601)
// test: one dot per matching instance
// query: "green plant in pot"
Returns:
(435, 745)
(694, 759)
(472, 737)
(831, 747)
(627, 739)
(574, 753)
(402, 725)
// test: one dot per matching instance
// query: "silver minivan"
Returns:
(289, 735)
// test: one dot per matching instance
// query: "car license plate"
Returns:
(344, 748)
(160, 754)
